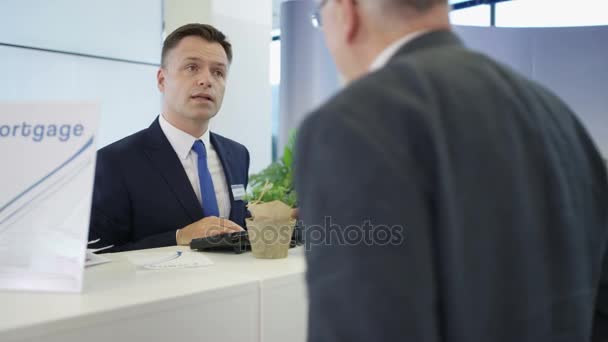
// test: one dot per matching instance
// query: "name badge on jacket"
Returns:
(238, 192)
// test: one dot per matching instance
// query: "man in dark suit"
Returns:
(175, 181)
(446, 197)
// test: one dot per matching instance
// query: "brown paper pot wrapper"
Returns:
(270, 229)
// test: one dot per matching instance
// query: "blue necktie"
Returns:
(208, 200)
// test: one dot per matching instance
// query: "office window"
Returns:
(275, 82)
(551, 13)
(471, 16)
(275, 61)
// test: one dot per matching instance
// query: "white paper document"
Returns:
(48, 163)
(169, 260)
(93, 259)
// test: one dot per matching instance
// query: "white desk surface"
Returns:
(261, 269)
(118, 287)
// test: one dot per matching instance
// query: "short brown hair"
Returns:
(420, 5)
(207, 32)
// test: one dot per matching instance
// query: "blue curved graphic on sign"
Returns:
(86, 146)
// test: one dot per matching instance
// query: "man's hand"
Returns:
(209, 226)
(295, 214)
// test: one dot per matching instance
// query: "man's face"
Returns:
(193, 79)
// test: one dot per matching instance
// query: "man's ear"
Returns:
(351, 19)
(160, 79)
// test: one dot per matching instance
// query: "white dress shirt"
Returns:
(182, 145)
(392, 49)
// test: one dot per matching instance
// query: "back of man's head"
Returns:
(390, 12)
(357, 31)
(418, 5)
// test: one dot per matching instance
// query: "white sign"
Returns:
(47, 165)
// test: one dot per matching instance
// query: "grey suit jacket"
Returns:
(447, 198)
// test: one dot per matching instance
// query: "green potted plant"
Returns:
(275, 183)
(271, 201)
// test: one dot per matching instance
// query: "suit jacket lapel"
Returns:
(166, 161)
(224, 155)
